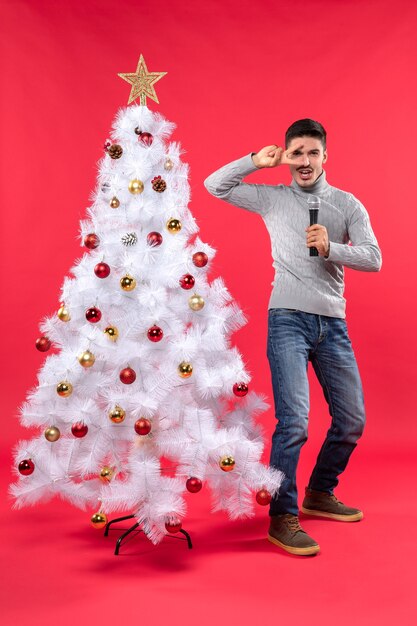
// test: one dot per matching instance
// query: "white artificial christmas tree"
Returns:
(144, 398)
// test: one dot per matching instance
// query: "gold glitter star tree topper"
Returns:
(142, 82)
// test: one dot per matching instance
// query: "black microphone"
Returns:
(314, 205)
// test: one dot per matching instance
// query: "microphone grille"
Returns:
(313, 202)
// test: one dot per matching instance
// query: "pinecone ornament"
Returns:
(115, 151)
(130, 239)
(158, 184)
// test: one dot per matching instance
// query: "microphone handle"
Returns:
(314, 217)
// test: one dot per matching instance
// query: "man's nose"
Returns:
(306, 160)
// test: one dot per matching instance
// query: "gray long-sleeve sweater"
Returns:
(311, 284)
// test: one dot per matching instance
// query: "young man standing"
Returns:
(306, 317)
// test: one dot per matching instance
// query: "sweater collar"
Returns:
(317, 188)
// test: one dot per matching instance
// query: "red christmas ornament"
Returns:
(155, 333)
(200, 259)
(107, 144)
(102, 270)
(187, 281)
(145, 138)
(127, 376)
(154, 239)
(43, 344)
(194, 484)
(263, 497)
(93, 315)
(91, 241)
(79, 429)
(26, 467)
(173, 526)
(143, 426)
(240, 389)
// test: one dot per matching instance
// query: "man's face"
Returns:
(309, 158)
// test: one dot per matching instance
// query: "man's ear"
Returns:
(325, 156)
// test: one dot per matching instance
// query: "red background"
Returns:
(239, 73)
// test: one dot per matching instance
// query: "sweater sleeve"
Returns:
(226, 183)
(364, 254)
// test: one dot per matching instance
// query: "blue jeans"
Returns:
(294, 338)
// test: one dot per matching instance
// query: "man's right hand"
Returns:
(271, 156)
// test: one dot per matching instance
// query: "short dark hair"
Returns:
(306, 127)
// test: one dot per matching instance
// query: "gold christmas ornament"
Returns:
(63, 313)
(168, 164)
(106, 474)
(86, 359)
(227, 463)
(98, 520)
(111, 332)
(196, 302)
(142, 82)
(174, 225)
(185, 369)
(52, 433)
(117, 414)
(136, 186)
(64, 389)
(127, 283)
(114, 202)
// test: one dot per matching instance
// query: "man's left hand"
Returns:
(317, 237)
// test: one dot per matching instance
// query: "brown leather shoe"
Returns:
(285, 531)
(323, 504)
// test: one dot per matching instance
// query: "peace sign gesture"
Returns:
(271, 156)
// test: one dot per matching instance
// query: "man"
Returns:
(306, 318)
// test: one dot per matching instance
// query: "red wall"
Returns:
(239, 73)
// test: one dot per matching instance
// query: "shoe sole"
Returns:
(355, 517)
(298, 551)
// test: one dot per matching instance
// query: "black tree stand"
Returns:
(123, 536)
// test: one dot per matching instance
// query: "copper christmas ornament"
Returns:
(117, 415)
(173, 225)
(111, 332)
(106, 474)
(127, 283)
(227, 463)
(98, 520)
(185, 369)
(64, 389)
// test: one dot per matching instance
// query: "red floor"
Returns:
(59, 570)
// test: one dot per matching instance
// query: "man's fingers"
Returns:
(315, 227)
(277, 156)
(289, 156)
(288, 152)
